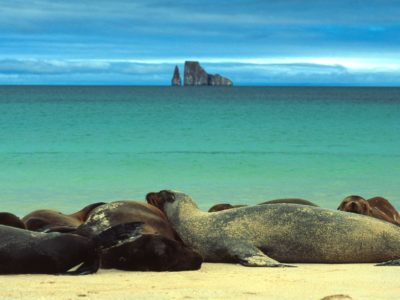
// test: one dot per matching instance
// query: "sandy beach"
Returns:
(213, 281)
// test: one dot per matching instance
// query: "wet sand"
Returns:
(213, 281)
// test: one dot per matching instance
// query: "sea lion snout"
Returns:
(160, 198)
(355, 207)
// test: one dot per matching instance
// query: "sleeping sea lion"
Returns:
(388, 210)
(155, 246)
(290, 201)
(376, 207)
(10, 219)
(23, 251)
(46, 220)
(223, 206)
(266, 235)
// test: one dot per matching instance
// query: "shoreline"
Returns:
(213, 281)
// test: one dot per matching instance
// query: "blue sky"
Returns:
(252, 42)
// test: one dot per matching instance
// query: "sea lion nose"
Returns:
(353, 206)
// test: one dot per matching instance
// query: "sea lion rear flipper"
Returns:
(394, 262)
(118, 234)
(250, 256)
(88, 267)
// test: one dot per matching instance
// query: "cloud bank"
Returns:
(40, 71)
(260, 42)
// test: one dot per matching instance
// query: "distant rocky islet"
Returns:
(195, 75)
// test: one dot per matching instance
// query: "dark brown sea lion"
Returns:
(376, 207)
(383, 205)
(51, 220)
(23, 251)
(154, 247)
(223, 206)
(290, 201)
(266, 235)
(10, 219)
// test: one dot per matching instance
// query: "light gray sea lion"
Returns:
(224, 206)
(46, 220)
(23, 251)
(266, 235)
(155, 246)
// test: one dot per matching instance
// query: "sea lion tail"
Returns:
(118, 234)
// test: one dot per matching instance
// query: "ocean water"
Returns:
(66, 147)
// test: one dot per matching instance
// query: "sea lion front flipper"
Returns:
(250, 256)
(394, 262)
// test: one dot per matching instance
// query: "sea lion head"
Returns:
(152, 252)
(159, 199)
(173, 199)
(355, 204)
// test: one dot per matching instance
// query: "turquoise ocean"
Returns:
(64, 147)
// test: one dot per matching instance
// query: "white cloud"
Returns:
(318, 71)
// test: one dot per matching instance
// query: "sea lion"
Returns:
(155, 247)
(10, 219)
(266, 235)
(290, 201)
(383, 205)
(23, 251)
(376, 207)
(46, 220)
(223, 206)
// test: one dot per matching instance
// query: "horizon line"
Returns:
(201, 86)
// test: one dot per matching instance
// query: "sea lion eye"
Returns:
(167, 196)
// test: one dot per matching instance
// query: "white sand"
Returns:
(213, 281)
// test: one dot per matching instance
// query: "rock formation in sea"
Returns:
(219, 80)
(176, 78)
(195, 75)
